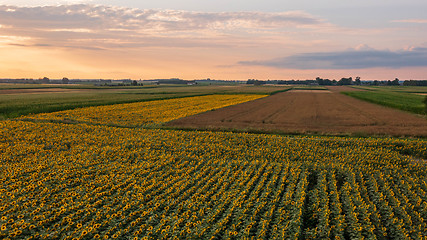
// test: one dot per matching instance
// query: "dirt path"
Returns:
(310, 112)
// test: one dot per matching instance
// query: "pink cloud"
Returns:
(411, 21)
(358, 58)
(106, 26)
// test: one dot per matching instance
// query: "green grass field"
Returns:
(403, 98)
(407, 89)
(19, 104)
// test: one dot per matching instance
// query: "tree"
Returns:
(357, 81)
(134, 83)
(395, 82)
(345, 81)
(65, 80)
(319, 81)
(44, 80)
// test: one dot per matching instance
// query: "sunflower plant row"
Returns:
(149, 113)
(79, 181)
(88, 180)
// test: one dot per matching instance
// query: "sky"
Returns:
(221, 39)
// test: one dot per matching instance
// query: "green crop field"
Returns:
(407, 89)
(403, 98)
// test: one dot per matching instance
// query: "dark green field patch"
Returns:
(399, 100)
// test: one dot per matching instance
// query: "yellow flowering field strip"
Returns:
(146, 113)
(78, 181)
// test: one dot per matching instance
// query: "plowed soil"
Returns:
(317, 111)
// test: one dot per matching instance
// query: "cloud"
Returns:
(106, 26)
(411, 21)
(42, 2)
(350, 59)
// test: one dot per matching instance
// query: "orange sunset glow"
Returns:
(107, 41)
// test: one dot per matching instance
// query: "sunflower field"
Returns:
(144, 114)
(88, 179)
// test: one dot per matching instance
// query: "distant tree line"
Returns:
(44, 80)
(65, 80)
(415, 83)
(318, 81)
(326, 82)
(395, 82)
(341, 82)
(173, 81)
(284, 82)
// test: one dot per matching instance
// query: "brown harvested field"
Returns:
(311, 91)
(310, 112)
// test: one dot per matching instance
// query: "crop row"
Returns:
(78, 181)
(145, 113)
